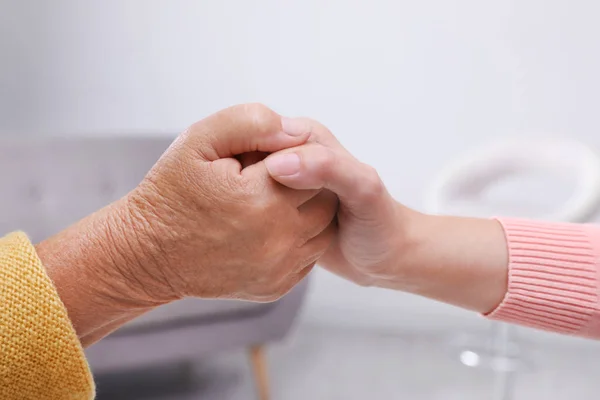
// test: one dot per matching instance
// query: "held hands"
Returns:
(210, 221)
(224, 231)
(208, 225)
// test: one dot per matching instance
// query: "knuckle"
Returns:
(256, 108)
(319, 132)
(371, 186)
(253, 187)
(308, 125)
(257, 205)
(253, 116)
(260, 116)
(325, 161)
(315, 126)
(264, 211)
(275, 247)
(234, 185)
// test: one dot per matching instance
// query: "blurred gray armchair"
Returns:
(49, 183)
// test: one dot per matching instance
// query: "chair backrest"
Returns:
(556, 158)
(47, 184)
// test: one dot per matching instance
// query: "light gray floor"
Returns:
(318, 363)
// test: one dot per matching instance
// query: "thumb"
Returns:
(243, 129)
(314, 166)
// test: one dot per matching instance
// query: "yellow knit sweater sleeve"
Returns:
(40, 354)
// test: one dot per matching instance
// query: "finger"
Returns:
(319, 133)
(243, 129)
(303, 273)
(288, 284)
(318, 213)
(316, 247)
(314, 166)
(258, 174)
(299, 276)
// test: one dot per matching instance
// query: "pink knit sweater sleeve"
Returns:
(553, 277)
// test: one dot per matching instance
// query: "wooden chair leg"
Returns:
(258, 358)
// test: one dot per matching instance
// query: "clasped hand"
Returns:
(210, 221)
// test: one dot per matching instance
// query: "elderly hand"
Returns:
(215, 230)
(198, 225)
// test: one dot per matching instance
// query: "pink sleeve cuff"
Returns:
(553, 277)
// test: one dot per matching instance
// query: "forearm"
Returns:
(92, 266)
(460, 261)
(540, 274)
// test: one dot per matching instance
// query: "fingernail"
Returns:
(283, 164)
(294, 126)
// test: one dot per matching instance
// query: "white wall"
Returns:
(22, 44)
(406, 85)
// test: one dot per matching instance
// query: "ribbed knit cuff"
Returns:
(553, 277)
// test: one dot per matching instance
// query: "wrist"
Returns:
(95, 265)
(457, 260)
(410, 241)
(136, 246)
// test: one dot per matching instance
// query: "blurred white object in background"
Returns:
(467, 180)
(471, 175)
